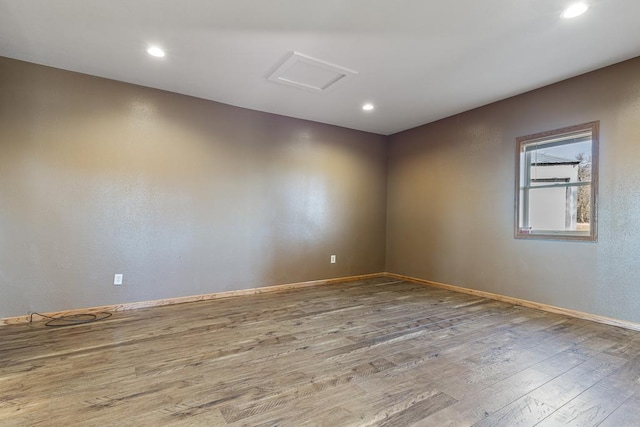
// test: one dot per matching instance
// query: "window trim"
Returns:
(521, 142)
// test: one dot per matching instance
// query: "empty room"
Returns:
(337, 213)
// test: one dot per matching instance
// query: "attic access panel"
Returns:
(307, 73)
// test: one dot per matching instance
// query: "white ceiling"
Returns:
(417, 60)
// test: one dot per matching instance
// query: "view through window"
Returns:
(557, 181)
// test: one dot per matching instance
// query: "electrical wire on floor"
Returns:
(72, 319)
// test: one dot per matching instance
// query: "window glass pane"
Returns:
(563, 163)
(559, 209)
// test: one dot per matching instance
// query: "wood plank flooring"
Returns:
(377, 352)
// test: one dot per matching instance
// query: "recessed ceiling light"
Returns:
(155, 51)
(574, 10)
(368, 107)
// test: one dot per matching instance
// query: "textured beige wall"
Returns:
(181, 195)
(451, 195)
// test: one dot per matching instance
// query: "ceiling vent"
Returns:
(310, 74)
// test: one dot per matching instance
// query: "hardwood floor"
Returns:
(375, 352)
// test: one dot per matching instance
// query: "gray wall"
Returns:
(451, 190)
(186, 196)
(181, 195)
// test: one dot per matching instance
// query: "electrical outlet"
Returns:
(333, 259)
(117, 279)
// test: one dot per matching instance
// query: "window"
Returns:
(556, 184)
